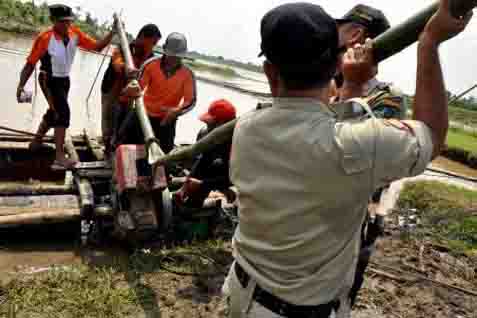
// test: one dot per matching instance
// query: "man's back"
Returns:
(304, 181)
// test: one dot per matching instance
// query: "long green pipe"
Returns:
(405, 34)
(388, 44)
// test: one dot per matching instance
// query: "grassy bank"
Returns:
(447, 214)
(464, 116)
(459, 138)
(461, 147)
(224, 71)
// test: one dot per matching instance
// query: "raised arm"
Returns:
(430, 103)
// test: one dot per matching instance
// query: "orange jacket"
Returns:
(162, 92)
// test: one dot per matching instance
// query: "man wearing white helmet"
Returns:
(169, 89)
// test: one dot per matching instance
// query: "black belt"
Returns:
(282, 307)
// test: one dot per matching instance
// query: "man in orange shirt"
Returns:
(56, 49)
(169, 89)
(116, 76)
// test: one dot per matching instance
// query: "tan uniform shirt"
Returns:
(303, 183)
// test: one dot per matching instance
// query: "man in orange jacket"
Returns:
(56, 49)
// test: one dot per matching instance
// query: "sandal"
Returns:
(64, 164)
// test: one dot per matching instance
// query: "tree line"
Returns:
(31, 17)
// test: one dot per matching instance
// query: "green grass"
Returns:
(447, 213)
(458, 138)
(77, 292)
(464, 116)
(133, 287)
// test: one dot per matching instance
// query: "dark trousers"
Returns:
(127, 129)
(58, 88)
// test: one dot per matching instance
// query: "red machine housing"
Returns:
(133, 171)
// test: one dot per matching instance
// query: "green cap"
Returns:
(372, 19)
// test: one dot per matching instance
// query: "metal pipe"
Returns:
(403, 35)
(388, 44)
(154, 151)
(456, 98)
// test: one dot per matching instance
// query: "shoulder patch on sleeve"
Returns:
(398, 124)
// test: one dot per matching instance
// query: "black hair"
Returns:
(318, 74)
(149, 31)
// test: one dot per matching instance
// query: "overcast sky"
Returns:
(231, 28)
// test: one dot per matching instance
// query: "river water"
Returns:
(13, 52)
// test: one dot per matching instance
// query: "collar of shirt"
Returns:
(170, 72)
(303, 104)
(371, 85)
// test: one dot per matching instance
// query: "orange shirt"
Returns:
(119, 67)
(162, 92)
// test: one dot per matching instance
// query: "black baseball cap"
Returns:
(298, 37)
(61, 12)
(149, 31)
(372, 19)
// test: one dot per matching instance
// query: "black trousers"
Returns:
(127, 129)
(58, 88)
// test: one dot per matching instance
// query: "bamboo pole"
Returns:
(388, 44)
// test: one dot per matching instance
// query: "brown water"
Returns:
(85, 68)
(56, 245)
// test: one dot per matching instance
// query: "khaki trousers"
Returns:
(241, 304)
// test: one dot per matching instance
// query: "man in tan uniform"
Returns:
(297, 242)
(386, 101)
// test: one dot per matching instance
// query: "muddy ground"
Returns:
(410, 275)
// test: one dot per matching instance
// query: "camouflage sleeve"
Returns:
(388, 102)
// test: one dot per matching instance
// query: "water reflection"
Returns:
(28, 116)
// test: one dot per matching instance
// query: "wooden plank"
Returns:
(28, 204)
(45, 217)
(16, 189)
(21, 145)
(95, 173)
(91, 165)
(46, 139)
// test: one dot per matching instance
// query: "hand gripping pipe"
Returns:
(154, 151)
